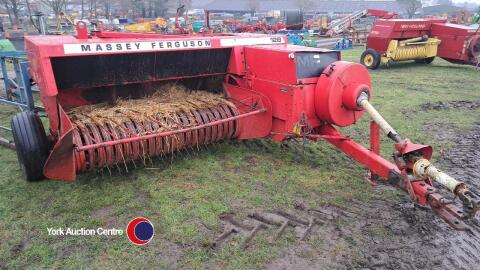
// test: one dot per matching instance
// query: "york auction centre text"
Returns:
(84, 231)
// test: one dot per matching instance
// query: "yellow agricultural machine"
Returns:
(421, 40)
(421, 49)
(155, 26)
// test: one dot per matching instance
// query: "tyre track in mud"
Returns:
(462, 161)
(437, 245)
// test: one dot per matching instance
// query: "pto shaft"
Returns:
(363, 102)
(423, 168)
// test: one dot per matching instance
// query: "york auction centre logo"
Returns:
(140, 231)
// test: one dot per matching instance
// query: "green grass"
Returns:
(185, 197)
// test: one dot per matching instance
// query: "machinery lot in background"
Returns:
(185, 198)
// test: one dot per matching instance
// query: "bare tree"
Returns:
(253, 6)
(303, 5)
(410, 6)
(29, 11)
(161, 7)
(12, 7)
(57, 6)
(106, 8)
(82, 4)
(92, 8)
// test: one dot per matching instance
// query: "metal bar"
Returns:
(25, 85)
(369, 159)
(15, 103)
(19, 84)
(426, 194)
(5, 75)
(13, 54)
(374, 144)
(168, 133)
(323, 136)
(6, 128)
(20, 66)
(374, 138)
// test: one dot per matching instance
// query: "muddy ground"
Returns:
(387, 234)
(397, 234)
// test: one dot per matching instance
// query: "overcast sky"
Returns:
(470, 1)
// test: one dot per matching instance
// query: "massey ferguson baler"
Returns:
(115, 99)
(421, 40)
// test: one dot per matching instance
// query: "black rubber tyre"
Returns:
(31, 144)
(427, 61)
(370, 59)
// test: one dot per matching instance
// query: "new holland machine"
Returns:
(421, 40)
(113, 99)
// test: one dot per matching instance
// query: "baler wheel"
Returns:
(427, 61)
(370, 59)
(31, 144)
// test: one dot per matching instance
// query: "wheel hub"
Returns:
(368, 60)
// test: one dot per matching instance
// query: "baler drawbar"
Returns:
(114, 99)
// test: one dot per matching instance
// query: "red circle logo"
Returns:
(140, 231)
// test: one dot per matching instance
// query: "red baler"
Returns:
(268, 88)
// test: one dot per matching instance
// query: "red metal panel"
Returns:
(450, 29)
(385, 30)
(255, 126)
(382, 13)
(275, 64)
(61, 161)
(411, 25)
(279, 94)
(457, 41)
(237, 61)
